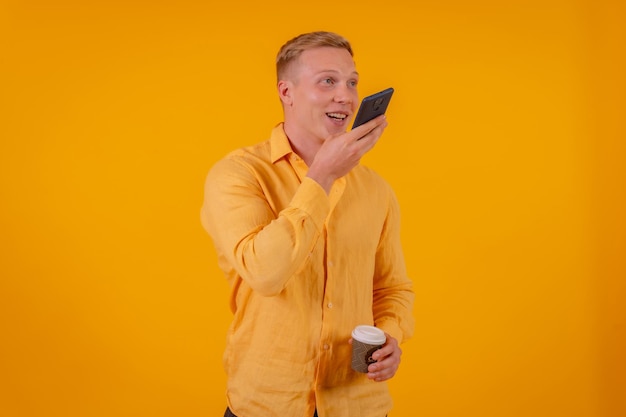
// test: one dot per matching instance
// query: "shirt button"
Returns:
(330, 264)
(330, 305)
(326, 347)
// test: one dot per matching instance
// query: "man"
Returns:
(309, 242)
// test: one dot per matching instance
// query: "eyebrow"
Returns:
(354, 73)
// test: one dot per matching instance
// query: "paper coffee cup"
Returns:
(365, 341)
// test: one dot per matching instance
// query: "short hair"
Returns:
(291, 50)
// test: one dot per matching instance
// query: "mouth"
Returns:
(340, 117)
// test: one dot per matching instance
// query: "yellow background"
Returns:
(505, 147)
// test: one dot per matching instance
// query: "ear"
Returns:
(284, 92)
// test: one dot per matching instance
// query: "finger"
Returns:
(386, 362)
(383, 374)
(367, 128)
(389, 361)
(385, 368)
(383, 352)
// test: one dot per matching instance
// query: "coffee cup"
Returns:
(365, 341)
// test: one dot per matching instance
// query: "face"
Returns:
(320, 94)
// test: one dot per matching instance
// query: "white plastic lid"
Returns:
(369, 334)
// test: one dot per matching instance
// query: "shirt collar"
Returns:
(279, 143)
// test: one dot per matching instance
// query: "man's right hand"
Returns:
(340, 153)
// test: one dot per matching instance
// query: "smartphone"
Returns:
(372, 106)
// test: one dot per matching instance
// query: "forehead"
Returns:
(322, 59)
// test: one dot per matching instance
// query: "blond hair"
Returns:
(291, 50)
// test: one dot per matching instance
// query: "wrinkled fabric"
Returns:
(304, 269)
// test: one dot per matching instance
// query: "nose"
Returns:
(345, 94)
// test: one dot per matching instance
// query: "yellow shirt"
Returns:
(305, 268)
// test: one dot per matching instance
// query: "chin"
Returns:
(334, 130)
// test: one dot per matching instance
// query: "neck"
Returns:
(304, 146)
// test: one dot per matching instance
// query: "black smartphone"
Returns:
(372, 106)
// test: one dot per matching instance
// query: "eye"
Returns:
(328, 81)
(353, 83)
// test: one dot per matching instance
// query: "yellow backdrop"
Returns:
(505, 146)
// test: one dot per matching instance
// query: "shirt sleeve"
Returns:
(393, 290)
(264, 248)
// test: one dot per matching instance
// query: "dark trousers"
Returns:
(229, 413)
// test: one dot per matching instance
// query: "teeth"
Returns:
(337, 115)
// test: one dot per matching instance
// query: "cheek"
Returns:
(316, 98)
(355, 101)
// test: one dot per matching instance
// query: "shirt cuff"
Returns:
(392, 329)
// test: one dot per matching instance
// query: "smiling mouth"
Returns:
(337, 116)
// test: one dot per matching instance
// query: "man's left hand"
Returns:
(387, 361)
